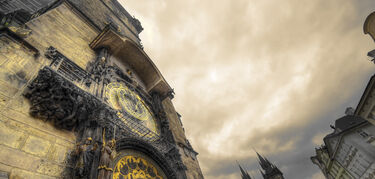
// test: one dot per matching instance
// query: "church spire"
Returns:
(244, 174)
(270, 171)
(263, 162)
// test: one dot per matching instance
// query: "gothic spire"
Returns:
(263, 162)
(244, 174)
(269, 169)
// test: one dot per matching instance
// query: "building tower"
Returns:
(244, 174)
(77, 87)
(270, 171)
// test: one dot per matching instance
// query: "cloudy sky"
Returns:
(265, 74)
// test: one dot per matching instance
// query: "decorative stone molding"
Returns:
(127, 51)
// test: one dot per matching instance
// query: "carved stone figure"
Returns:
(86, 154)
(98, 67)
(133, 79)
(106, 157)
(54, 99)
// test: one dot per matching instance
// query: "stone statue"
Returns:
(133, 79)
(86, 155)
(98, 67)
(106, 157)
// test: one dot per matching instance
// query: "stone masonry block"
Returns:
(59, 153)
(23, 174)
(37, 146)
(27, 123)
(10, 137)
(50, 169)
(16, 158)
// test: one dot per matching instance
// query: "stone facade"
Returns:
(58, 61)
(348, 152)
(330, 168)
(366, 105)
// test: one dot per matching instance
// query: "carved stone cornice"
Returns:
(126, 51)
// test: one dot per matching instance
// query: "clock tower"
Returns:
(80, 98)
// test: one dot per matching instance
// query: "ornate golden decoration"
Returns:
(131, 167)
(124, 99)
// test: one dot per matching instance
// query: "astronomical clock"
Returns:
(132, 110)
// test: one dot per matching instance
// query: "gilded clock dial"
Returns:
(133, 167)
(132, 110)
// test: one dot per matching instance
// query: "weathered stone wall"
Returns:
(174, 123)
(191, 163)
(29, 148)
(64, 30)
(104, 12)
(366, 105)
(188, 157)
(32, 148)
(356, 151)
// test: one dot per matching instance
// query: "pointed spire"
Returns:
(244, 173)
(261, 172)
(269, 169)
(263, 162)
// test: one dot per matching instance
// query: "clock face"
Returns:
(132, 110)
(136, 167)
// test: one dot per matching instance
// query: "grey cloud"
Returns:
(258, 73)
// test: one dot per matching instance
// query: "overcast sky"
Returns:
(265, 74)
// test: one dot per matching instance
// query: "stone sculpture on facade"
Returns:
(97, 68)
(107, 155)
(85, 152)
(87, 114)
